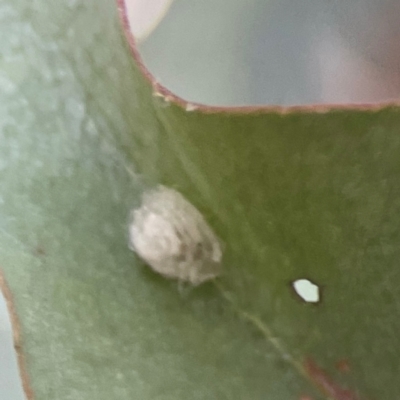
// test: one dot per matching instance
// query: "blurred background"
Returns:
(284, 52)
(235, 52)
(10, 384)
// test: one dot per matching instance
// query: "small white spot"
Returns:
(156, 93)
(307, 290)
(191, 107)
(164, 97)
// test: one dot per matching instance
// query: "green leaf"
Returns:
(308, 193)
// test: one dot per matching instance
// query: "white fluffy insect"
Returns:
(173, 238)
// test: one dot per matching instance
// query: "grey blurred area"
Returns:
(10, 381)
(278, 52)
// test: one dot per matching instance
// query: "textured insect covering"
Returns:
(173, 238)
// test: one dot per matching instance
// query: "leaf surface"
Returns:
(294, 195)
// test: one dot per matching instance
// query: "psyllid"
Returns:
(173, 238)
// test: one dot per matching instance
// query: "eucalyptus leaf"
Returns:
(293, 194)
